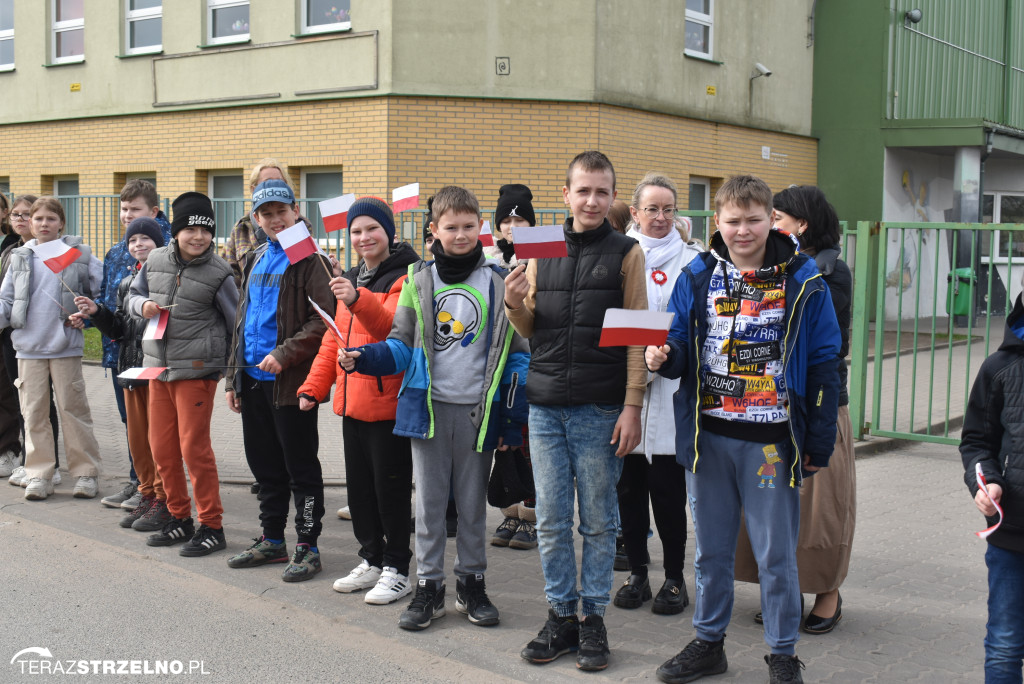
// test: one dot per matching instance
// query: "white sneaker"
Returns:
(56, 477)
(345, 513)
(390, 587)
(38, 489)
(8, 462)
(85, 488)
(16, 477)
(363, 576)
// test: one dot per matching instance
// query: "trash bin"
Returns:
(960, 291)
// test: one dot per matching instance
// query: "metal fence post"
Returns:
(859, 333)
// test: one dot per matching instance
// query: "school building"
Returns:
(366, 95)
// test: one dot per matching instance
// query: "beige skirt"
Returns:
(828, 510)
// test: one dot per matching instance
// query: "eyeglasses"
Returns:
(20, 216)
(654, 212)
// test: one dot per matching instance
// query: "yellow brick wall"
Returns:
(381, 143)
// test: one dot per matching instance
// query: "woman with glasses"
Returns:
(651, 477)
(828, 503)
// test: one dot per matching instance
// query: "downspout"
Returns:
(1007, 70)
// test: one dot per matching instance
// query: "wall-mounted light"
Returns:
(914, 16)
(760, 70)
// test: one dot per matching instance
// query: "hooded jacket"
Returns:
(840, 285)
(994, 431)
(810, 349)
(367, 320)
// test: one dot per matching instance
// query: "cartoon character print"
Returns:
(767, 471)
(457, 318)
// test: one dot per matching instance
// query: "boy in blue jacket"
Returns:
(755, 341)
(463, 395)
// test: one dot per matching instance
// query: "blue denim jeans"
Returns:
(573, 458)
(1004, 640)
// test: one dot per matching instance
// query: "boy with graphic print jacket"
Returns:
(755, 341)
(462, 396)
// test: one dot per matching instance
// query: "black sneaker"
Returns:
(698, 659)
(672, 598)
(506, 530)
(471, 599)
(427, 604)
(174, 532)
(155, 518)
(205, 541)
(784, 669)
(593, 653)
(559, 636)
(525, 537)
(634, 592)
(145, 503)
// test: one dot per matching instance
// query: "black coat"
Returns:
(840, 285)
(124, 328)
(993, 432)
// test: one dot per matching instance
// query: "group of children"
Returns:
(430, 377)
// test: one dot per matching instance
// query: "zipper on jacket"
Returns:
(798, 307)
(572, 317)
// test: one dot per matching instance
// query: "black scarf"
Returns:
(508, 250)
(455, 269)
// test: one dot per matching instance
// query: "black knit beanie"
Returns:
(192, 209)
(378, 210)
(146, 226)
(514, 200)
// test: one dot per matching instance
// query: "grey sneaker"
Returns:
(133, 499)
(115, 500)
(139, 511)
(304, 564)
(17, 477)
(260, 553)
(155, 517)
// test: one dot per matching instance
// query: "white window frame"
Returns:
(211, 6)
(130, 17)
(61, 27)
(306, 29)
(704, 20)
(7, 35)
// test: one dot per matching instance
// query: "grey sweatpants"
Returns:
(434, 461)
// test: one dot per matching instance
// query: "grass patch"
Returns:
(93, 345)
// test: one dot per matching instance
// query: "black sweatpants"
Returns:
(281, 446)
(663, 483)
(378, 466)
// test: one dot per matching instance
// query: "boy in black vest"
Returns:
(584, 401)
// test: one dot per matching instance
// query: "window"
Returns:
(65, 189)
(6, 35)
(699, 25)
(147, 176)
(68, 31)
(325, 15)
(1002, 207)
(317, 186)
(698, 201)
(227, 190)
(227, 21)
(143, 26)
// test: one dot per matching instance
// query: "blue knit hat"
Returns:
(146, 226)
(378, 210)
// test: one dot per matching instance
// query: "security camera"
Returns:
(763, 70)
(914, 15)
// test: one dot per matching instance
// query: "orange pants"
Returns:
(136, 404)
(179, 432)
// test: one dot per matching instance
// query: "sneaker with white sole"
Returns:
(16, 477)
(9, 460)
(133, 499)
(363, 576)
(205, 541)
(38, 489)
(56, 479)
(344, 513)
(304, 564)
(86, 488)
(115, 500)
(391, 586)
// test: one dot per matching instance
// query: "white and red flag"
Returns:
(56, 254)
(983, 486)
(157, 326)
(405, 198)
(635, 327)
(297, 242)
(142, 373)
(335, 212)
(539, 242)
(486, 235)
(329, 321)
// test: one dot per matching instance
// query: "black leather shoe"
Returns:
(815, 624)
(634, 592)
(672, 598)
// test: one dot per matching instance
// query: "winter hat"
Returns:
(272, 191)
(192, 209)
(144, 225)
(378, 210)
(514, 200)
